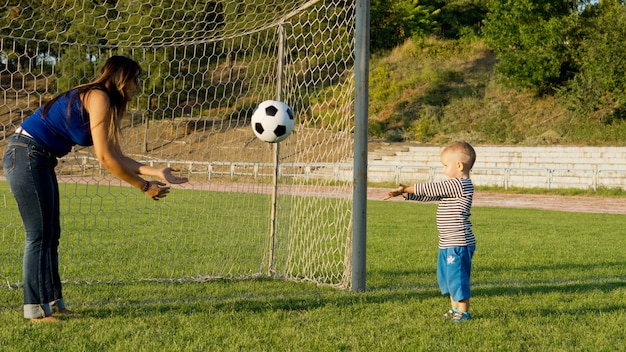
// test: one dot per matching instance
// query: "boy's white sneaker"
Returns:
(461, 316)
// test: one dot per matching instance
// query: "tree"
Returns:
(574, 48)
(394, 21)
(31, 24)
(599, 88)
(458, 17)
(534, 40)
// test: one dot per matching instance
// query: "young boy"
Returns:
(456, 240)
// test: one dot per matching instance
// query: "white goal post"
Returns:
(250, 210)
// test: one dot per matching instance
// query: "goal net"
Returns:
(251, 209)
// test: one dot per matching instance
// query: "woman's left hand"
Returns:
(169, 177)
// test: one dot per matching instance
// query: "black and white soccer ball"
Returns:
(272, 121)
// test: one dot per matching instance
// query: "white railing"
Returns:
(506, 177)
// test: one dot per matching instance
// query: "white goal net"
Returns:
(207, 64)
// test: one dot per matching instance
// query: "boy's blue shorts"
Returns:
(453, 271)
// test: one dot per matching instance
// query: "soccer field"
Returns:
(542, 281)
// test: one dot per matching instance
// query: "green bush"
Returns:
(597, 92)
(532, 39)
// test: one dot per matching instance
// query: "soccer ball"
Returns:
(272, 121)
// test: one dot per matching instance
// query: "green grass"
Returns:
(542, 281)
(116, 234)
(599, 192)
(112, 234)
(587, 192)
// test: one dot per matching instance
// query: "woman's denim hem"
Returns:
(36, 311)
(58, 305)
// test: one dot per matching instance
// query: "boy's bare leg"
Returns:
(462, 305)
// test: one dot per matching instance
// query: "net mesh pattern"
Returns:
(207, 65)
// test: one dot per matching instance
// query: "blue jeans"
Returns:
(29, 170)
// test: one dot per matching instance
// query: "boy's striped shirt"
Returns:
(455, 201)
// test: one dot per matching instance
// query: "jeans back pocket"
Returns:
(9, 160)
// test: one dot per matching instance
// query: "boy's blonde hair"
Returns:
(465, 149)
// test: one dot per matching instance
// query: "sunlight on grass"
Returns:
(542, 281)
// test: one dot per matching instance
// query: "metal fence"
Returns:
(506, 177)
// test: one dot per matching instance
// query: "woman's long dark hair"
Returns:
(115, 74)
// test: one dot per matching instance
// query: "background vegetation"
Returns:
(504, 72)
(489, 71)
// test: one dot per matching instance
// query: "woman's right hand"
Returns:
(157, 190)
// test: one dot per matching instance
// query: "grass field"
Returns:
(542, 281)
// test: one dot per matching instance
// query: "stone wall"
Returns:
(509, 166)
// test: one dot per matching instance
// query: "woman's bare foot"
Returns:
(48, 319)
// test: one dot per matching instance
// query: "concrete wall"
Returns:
(508, 166)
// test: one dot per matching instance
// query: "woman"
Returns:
(88, 114)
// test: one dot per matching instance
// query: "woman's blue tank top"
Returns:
(57, 131)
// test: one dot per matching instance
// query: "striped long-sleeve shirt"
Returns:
(455, 200)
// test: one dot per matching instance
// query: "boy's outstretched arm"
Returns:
(402, 189)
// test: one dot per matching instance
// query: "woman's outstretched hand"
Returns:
(169, 177)
(157, 190)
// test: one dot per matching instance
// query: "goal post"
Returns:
(251, 209)
(362, 53)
